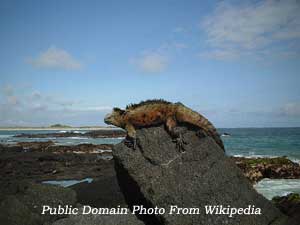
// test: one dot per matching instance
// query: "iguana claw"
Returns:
(180, 142)
(130, 142)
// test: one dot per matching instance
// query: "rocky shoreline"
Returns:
(45, 160)
(105, 133)
(30, 163)
(256, 169)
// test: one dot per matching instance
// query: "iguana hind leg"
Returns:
(171, 127)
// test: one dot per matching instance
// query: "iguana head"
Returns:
(115, 118)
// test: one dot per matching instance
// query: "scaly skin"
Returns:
(155, 112)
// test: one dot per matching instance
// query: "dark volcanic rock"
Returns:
(23, 205)
(158, 174)
(112, 133)
(14, 212)
(10, 148)
(81, 148)
(104, 191)
(38, 166)
(40, 146)
(256, 169)
(289, 205)
(122, 219)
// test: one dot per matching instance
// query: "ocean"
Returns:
(263, 142)
(7, 137)
(246, 142)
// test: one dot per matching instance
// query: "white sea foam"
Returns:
(79, 132)
(119, 138)
(103, 150)
(277, 187)
(255, 156)
(78, 138)
(294, 160)
(5, 135)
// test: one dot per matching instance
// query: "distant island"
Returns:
(59, 126)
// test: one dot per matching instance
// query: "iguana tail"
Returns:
(187, 115)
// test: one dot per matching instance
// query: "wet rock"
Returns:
(289, 205)
(10, 149)
(45, 165)
(256, 169)
(81, 148)
(41, 146)
(156, 173)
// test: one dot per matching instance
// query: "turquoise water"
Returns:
(268, 142)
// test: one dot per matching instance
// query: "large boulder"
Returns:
(90, 219)
(14, 212)
(157, 174)
(23, 204)
(104, 191)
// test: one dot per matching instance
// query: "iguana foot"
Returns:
(180, 142)
(201, 134)
(130, 142)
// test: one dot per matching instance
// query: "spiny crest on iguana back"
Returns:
(147, 102)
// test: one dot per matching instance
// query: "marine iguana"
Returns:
(155, 112)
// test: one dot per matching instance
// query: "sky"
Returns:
(71, 62)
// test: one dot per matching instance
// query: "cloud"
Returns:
(152, 62)
(178, 45)
(10, 98)
(179, 30)
(39, 107)
(55, 58)
(291, 109)
(96, 108)
(220, 54)
(8, 90)
(34, 108)
(251, 28)
(36, 95)
(13, 100)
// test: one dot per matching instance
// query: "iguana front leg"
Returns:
(131, 134)
(171, 124)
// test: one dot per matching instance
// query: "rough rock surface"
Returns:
(14, 212)
(89, 219)
(23, 205)
(156, 173)
(104, 191)
(289, 205)
(16, 164)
